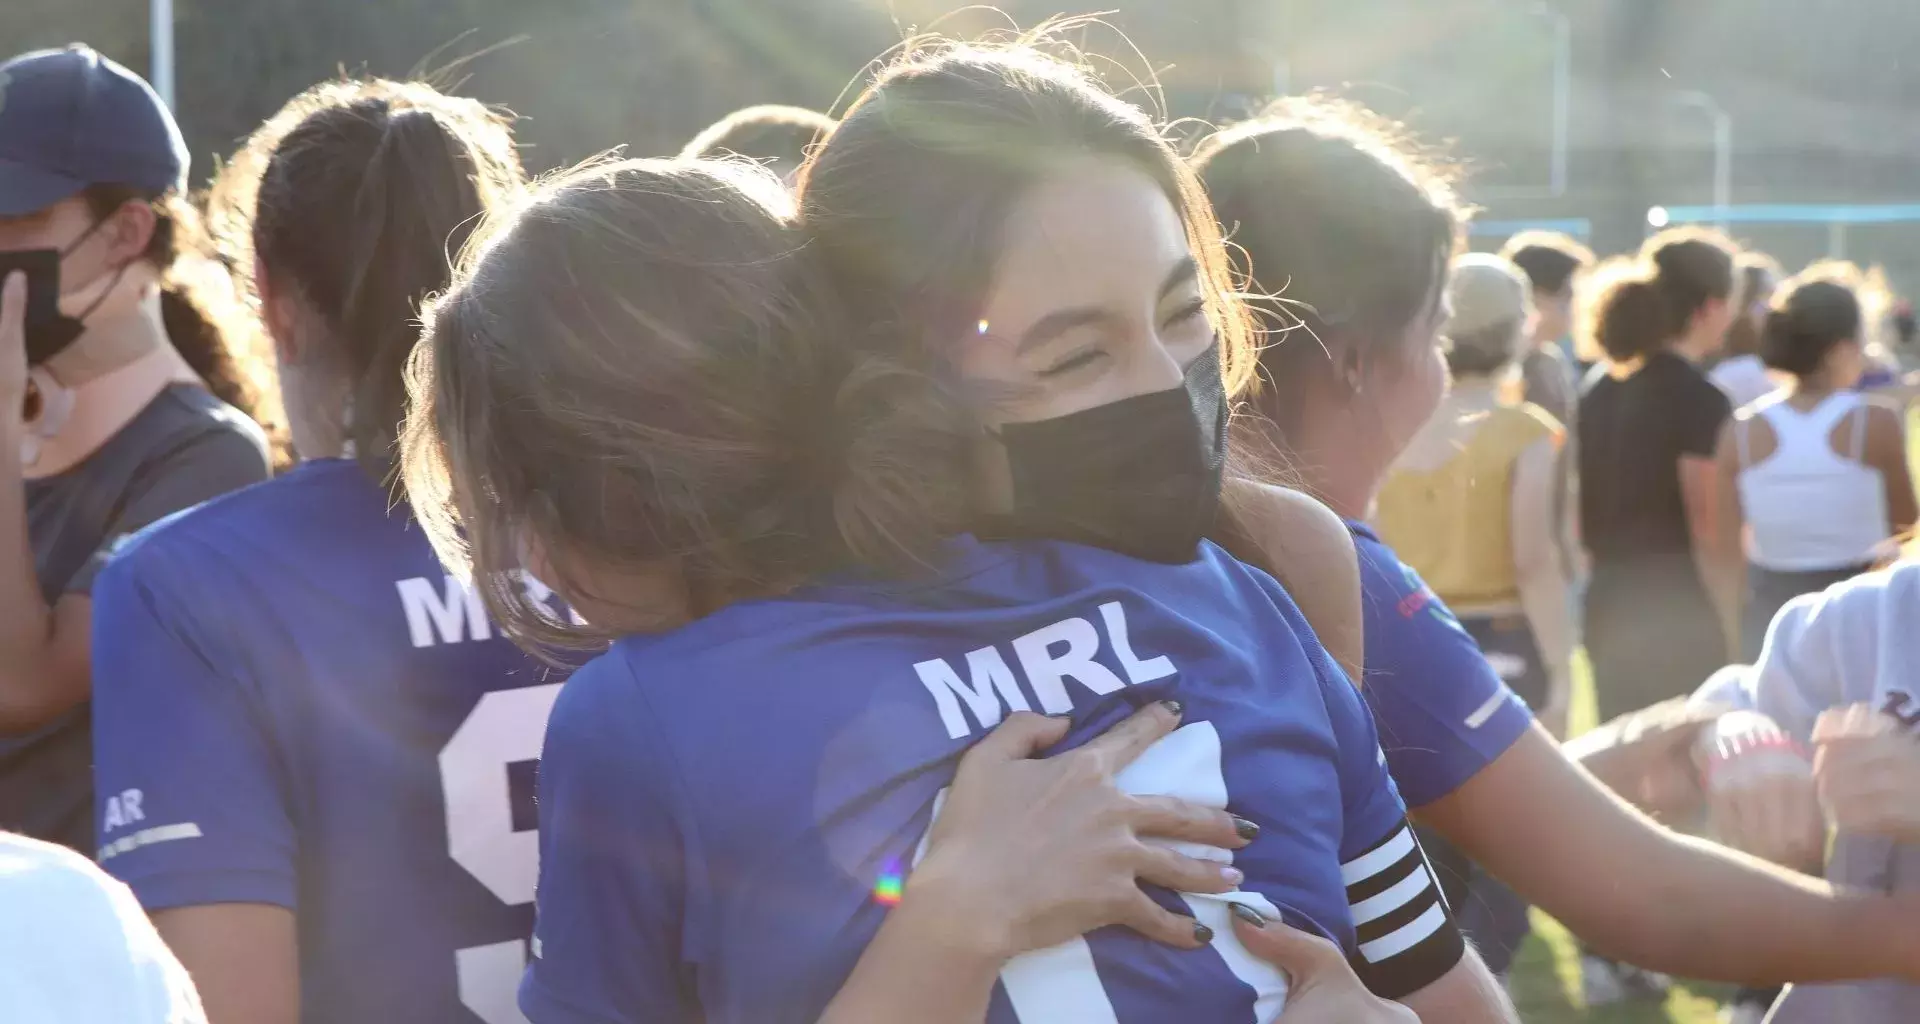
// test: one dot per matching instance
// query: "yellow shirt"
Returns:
(1454, 523)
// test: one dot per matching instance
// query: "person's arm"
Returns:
(1406, 945)
(1310, 551)
(1542, 577)
(1708, 466)
(1029, 852)
(243, 957)
(1886, 451)
(1709, 489)
(1542, 825)
(188, 795)
(43, 647)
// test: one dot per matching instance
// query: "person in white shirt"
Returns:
(1741, 373)
(1823, 726)
(1816, 471)
(75, 947)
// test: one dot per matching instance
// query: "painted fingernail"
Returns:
(1201, 933)
(1173, 707)
(1232, 875)
(1249, 915)
(1247, 829)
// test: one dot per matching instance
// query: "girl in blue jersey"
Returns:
(314, 754)
(1364, 242)
(632, 386)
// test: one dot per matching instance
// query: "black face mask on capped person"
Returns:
(1140, 476)
(50, 336)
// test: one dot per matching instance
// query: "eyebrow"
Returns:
(1060, 322)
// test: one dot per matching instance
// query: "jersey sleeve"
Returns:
(189, 798)
(612, 903)
(1442, 712)
(209, 465)
(1404, 936)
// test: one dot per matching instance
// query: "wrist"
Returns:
(939, 913)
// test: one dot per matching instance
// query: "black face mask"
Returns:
(50, 337)
(1140, 476)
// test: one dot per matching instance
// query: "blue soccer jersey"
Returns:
(1443, 713)
(294, 704)
(725, 808)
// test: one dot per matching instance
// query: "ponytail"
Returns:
(1690, 268)
(357, 195)
(416, 204)
(1629, 316)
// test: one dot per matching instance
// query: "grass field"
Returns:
(1546, 977)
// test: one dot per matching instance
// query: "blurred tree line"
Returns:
(585, 75)
(1821, 98)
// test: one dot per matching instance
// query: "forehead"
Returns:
(1093, 230)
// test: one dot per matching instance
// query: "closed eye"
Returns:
(1186, 313)
(1084, 357)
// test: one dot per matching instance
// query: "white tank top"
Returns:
(1808, 507)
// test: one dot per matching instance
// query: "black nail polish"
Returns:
(1249, 915)
(1173, 707)
(1247, 829)
(1201, 933)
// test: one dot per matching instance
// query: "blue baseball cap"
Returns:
(72, 118)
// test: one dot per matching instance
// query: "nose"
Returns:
(1156, 369)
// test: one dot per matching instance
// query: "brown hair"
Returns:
(1625, 307)
(770, 131)
(1809, 315)
(1336, 214)
(1691, 267)
(638, 368)
(200, 308)
(355, 194)
(905, 200)
(1759, 275)
(1551, 259)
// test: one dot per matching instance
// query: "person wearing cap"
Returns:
(1470, 506)
(113, 426)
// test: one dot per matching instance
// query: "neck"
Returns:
(104, 404)
(1817, 385)
(1330, 469)
(1693, 347)
(1475, 389)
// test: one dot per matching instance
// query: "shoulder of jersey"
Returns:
(269, 502)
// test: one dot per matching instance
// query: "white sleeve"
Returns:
(1819, 647)
(78, 945)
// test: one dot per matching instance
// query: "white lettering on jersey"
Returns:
(1049, 656)
(505, 727)
(1048, 672)
(988, 675)
(1062, 983)
(452, 612)
(148, 837)
(123, 810)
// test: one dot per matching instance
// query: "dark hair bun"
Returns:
(1807, 320)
